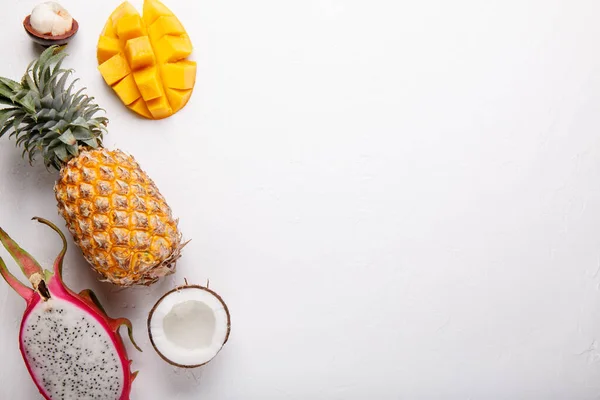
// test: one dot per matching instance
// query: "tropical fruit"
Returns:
(189, 325)
(144, 59)
(113, 209)
(71, 348)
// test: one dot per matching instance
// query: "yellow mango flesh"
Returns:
(178, 98)
(127, 90)
(107, 47)
(139, 52)
(159, 107)
(153, 9)
(114, 69)
(139, 106)
(179, 75)
(144, 59)
(130, 26)
(109, 30)
(148, 82)
(123, 10)
(172, 48)
(167, 25)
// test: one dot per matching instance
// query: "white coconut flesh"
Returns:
(189, 326)
(51, 18)
(70, 354)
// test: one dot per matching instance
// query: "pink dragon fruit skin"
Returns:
(71, 348)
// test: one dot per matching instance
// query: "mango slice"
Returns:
(139, 106)
(172, 48)
(144, 59)
(109, 30)
(130, 26)
(107, 47)
(178, 98)
(114, 69)
(159, 107)
(123, 10)
(153, 9)
(148, 82)
(139, 52)
(165, 25)
(127, 90)
(179, 75)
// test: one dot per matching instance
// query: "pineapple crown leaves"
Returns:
(46, 116)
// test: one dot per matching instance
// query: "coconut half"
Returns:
(189, 325)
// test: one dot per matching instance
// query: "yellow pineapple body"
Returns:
(118, 217)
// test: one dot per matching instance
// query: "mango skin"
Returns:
(144, 59)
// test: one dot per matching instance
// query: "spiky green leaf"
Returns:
(46, 115)
(28, 103)
(68, 138)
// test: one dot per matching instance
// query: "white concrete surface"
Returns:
(397, 199)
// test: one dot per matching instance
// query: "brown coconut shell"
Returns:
(177, 289)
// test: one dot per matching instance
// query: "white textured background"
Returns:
(397, 199)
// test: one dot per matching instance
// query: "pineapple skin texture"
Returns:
(118, 218)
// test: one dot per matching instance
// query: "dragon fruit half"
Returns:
(71, 348)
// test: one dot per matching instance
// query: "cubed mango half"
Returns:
(144, 59)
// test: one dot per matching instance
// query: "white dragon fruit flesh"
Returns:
(71, 348)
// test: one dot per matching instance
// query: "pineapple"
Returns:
(112, 208)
